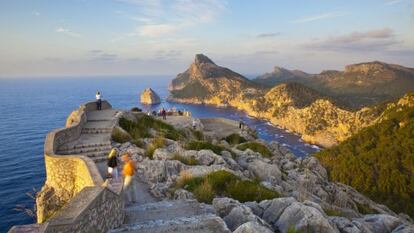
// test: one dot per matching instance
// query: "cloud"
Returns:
(101, 56)
(158, 18)
(36, 13)
(327, 15)
(156, 30)
(67, 32)
(269, 35)
(373, 40)
(392, 2)
(201, 11)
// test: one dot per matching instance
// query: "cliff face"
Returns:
(293, 106)
(357, 86)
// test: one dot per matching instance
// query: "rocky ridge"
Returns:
(357, 86)
(309, 202)
(296, 107)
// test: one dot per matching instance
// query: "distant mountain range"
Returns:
(357, 86)
(320, 118)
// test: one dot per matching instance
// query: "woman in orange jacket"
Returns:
(129, 182)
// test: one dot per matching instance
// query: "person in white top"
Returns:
(98, 100)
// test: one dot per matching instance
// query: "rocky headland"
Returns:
(318, 118)
(149, 96)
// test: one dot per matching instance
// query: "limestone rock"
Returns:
(149, 96)
(252, 227)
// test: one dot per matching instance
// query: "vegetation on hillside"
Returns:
(235, 139)
(223, 183)
(141, 128)
(204, 145)
(256, 147)
(379, 160)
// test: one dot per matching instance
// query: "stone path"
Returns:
(171, 216)
(95, 139)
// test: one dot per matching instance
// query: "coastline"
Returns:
(303, 137)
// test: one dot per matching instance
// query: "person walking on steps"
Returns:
(164, 114)
(98, 101)
(113, 164)
(129, 182)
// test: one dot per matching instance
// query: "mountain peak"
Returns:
(201, 58)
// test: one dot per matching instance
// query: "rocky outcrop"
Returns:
(149, 96)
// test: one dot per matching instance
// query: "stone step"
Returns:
(165, 210)
(97, 154)
(96, 130)
(100, 158)
(85, 150)
(206, 223)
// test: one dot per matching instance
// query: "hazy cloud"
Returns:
(380, 39)
(67, 32)
(100, 55)
(269, 35)
(326, 15)
(392, 2)
(155, 30)
(36, 13)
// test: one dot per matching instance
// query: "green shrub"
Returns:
(256, 147)
(292, 229)
(246, 190)
(203, 145)
(365, 209)
(138, 142)
(158, 142)
(235, 139)
(223, 183)
(204, 192)
(198, 134)
(186, 160)
(119, 136)
(331, 212)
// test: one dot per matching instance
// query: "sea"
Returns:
(31, 107)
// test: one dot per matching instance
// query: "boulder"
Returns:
(304, 218)
(182, 194)
(265, 171)
(345, 225)
(162, 154)
(252, 227)
(208, 157)
(159, 170)
(149, 96)
(379, 223)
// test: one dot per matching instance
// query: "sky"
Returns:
(161, 37)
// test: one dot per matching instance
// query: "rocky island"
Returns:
(189, 181)
(149, 96)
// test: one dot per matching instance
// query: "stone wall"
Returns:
(94, 209)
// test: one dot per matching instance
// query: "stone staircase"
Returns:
(171, 216)
(95, 138)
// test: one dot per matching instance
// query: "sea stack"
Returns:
(149, 96)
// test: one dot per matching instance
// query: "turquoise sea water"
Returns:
(30, 108)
